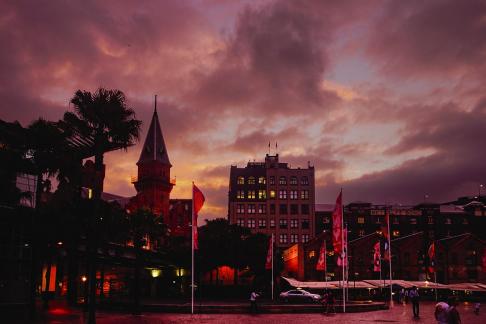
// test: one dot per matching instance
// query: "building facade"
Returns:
(270, 197)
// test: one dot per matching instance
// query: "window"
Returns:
(326, 220)
(282, 223)
(262, 194)
(282, 238)
(304, 194)
(361, 220)
(304, 181)
(293, 194)
(293, 180)
(361, 232)
(305, 224)
(282, 180)
(283, 209)
(294, 209)
(262, 180)
(262, 223)
(251, 208)
(251, 194)
(272, 180)
(396, 233)
(294, 238)
(251, 223)
(304, 208)
(282, 194)
(430, 220)
(272, 223)
(240, 209)
(294, 223)
(272, 194)
(251, 180)
(305, 238)
(413, 221)
(262, 208)
(272, 209)
(240, 180)
(240, 194)
(240, 222)
(378, 220)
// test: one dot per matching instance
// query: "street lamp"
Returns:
(479, 189)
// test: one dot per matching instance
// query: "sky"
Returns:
(385, 98)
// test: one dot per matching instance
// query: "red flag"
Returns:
(337, 219)
(342, 258)
(431, 254)
(376, 257)
(321, 262)
(268, 263)
(197, 203)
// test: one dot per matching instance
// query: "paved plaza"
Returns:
(398, 314)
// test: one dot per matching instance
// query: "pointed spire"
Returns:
(154, 148)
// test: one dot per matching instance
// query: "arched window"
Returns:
(251, 180)
(241, 180)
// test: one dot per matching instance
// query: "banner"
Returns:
(197, 203)
(321, 262)
(377, 257)
(268, 262)
(337, 230)
(431, 254)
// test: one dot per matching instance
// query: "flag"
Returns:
(342, 259)
(376, 257)
(321, 262)
(337, 219)
(384, 228)
(431, 254)
(197, 204)
(386, 236)
(268, 263)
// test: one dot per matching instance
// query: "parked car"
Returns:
(299, 295)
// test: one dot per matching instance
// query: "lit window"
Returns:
(251, 180)
(282, 223)
(262, 223)
(293, 194)
(262, 180)
(251, 194)
(272, 194)
(304, 181)
(282, 180)
(240, 222)
(293, 180)
(430, 220)
(294, 223)
(305, 238)
(272, 223)
(361, 220)
(262, 209)
(361, 232)
(240, 209)
(282, 194)
(240, 194)
(251, 209)
(251, 223)
(294, 238)
(262, 194)
(241, 180)
(304, 194)
(282, 238)
(272, 180)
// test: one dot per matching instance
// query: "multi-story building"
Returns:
(272, 198)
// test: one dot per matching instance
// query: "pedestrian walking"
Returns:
(453, 313)
(406, 296)
(415, 298)
(324, 301)
(330, 303)
(441, 313)
(476, 308)
(253, 302)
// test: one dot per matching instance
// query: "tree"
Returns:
(103, 119)
(144, 228)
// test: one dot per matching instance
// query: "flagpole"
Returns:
(347, 263)
(342, 250)
(390, 258)
(192, 252)
(273, 242)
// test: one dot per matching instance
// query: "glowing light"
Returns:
(90, 193)
(59, 243)
(155, 273)
(83, 278)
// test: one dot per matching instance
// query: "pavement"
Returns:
(397, 314)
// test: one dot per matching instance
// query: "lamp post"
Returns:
(479, 191)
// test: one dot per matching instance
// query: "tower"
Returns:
(153, 183)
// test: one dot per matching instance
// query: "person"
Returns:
(414, 297)
(330, 303)
(441, 313)
(452, 312)
(476, 308)
(406, 296)
(401, 295)
(253, 302)
(324, 301)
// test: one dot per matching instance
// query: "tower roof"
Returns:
(154, 147)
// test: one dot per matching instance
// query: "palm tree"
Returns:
(104, 122)
(143, 227)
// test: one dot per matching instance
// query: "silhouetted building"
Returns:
(272, 198)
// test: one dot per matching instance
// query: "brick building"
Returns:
(270, 197)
